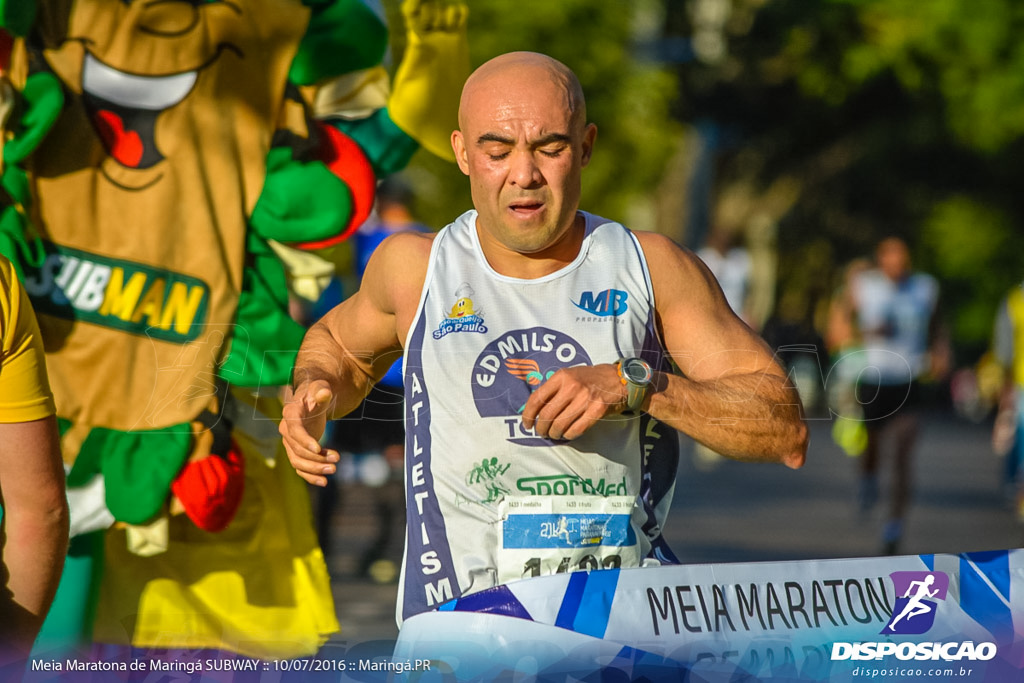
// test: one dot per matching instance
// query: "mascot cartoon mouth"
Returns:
(124, 107)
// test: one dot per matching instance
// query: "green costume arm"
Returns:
(40, 103)
(266, 339)
(300, 201)
(17, 15)
(343, 36)
(387, 146)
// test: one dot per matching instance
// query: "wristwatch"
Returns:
(636, 374)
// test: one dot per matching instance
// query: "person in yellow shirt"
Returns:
(1008, 348)
(34, 510)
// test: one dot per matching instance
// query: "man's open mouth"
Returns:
(525, 207)
(124, 107)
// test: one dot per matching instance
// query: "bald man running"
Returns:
(542, 415)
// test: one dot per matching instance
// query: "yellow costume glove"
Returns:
(425, 95)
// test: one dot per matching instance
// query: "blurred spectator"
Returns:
(730, 263)
(895, 315)
(34, 532)
(1008, 431)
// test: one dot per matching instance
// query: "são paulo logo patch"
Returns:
(513, 366)
(917, 594)
(463, 317)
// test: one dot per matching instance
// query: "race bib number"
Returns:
(551, 535)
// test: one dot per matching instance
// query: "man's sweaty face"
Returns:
(523, 154)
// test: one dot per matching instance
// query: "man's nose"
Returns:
(524, 171)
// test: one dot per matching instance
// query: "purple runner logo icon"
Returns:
(917, 593)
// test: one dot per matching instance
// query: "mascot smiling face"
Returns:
(153, 74)
(146, 182)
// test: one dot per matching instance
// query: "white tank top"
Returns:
(488, 501)
(895, 319)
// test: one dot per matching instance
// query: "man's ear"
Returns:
(459, 147)
(589, 136)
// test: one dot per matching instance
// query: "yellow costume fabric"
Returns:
(199, 594)
(1015, 307)
(24, 390)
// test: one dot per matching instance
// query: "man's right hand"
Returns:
(303, 422)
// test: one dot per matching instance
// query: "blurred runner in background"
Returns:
(895, 312)
(730, 263)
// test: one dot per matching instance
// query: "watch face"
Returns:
(637, 371)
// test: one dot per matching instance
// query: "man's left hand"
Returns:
(573, 400)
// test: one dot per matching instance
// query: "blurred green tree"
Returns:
(886, 117)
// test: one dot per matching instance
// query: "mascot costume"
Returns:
(162, 163)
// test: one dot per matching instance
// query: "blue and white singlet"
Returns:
(894, 318)
(488, 501)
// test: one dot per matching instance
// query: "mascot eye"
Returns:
(193, 3)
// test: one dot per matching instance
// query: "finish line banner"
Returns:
(940, 617)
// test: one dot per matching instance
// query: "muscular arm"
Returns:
(731, 395)
(35, 528)
(350, 348)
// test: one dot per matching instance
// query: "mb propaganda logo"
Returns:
(610, 302)
(918, 597)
